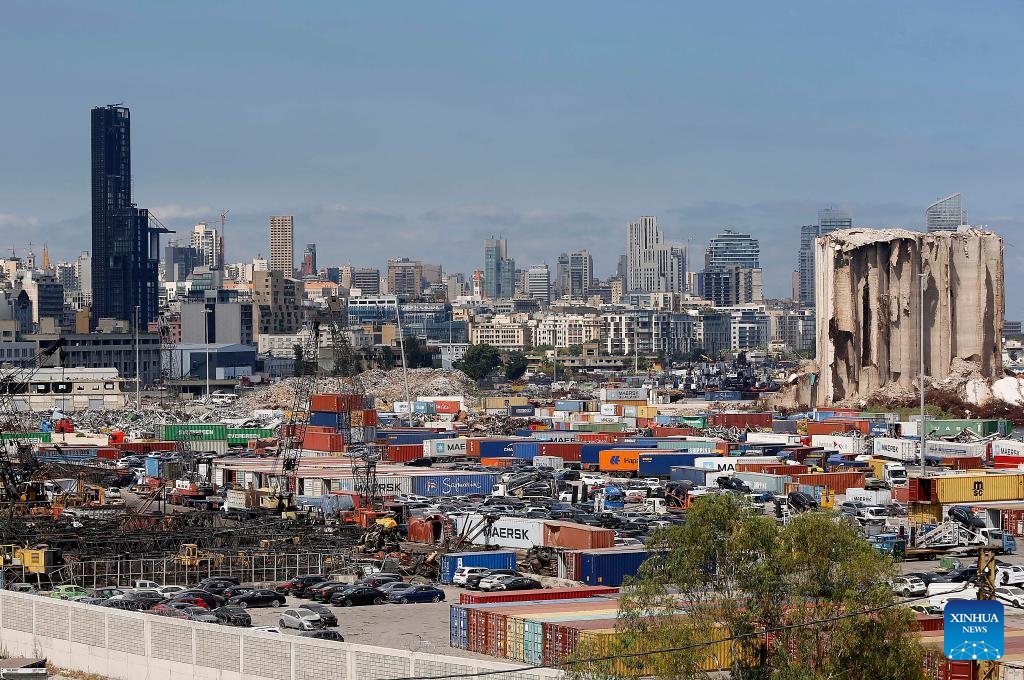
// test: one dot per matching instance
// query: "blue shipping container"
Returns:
(497, 559)
(661, 464)
(696, 475)
(521, 411)
(609, 568)
(526, 450)
(572, 406)
(423, 407)
(152, 466)
(453, 484)
(723, 395)
(498, 448)
(327, 419)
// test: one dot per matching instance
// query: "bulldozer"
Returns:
(190, 556)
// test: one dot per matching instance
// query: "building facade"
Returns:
(282, 244)
(651, 263)
(946, 214)
(538, 283)
(499, 277)
(207, 245)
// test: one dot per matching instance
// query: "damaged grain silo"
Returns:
(867, 283)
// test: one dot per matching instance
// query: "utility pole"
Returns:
(138, 364)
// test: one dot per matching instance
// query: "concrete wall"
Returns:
(131, 645)
(867, 290)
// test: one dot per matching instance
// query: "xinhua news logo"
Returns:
(973, 630)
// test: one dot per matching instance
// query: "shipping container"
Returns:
(567, 451)
(403, 453)
(625, 394)
(146, 447)
(851, 444)
(453, 484)
(903, 450)
(949, 428)
(836, 482)
(772, 438)
(728, 463)
(442, 448)
(334, 421)
(553, 462)
(774, 484)
(447, 406)
(194, 432)
(1007, 447)
(619, 460)
(574, 536)
(525, 450)
(831, 427)
(574, 593)
(661, 464)
(27, 437)
(610, 567)
(554, 436)
(498, 462)
(723, 395)
(521, 411)
(669, 431)
(489, 447)
(978, 487)
(570, 405)
(506, 532)
(498, 403)
(386, 485)
(320, 441)
(685, 445)
(498, 559)
(410, 435)
(337, 403)
(741, 420)
(695, 475)
(943, 448)
(242, 435)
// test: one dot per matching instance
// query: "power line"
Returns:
(683, 648)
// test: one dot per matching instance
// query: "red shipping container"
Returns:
(600, 437)
(741, 420)
(447, 406)
(1010, 462)
(577, 536)
(498, 462)
(927, 623)
(109, 453)
(837, 482)
(403, 453)
(901, 494)
(144, 448)
(476, 630)
(833, 426)
(673, 431)
(537, 595)
(962, 462)
(322, 441)
(567, 451)
(335, 403)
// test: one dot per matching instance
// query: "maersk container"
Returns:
(434, 448)
(525, 450)
(1007, 447)
(453, 484)
(610, 567)
(570, 405)
(507, 532)
(557, 436)
(498, 559)
(194, 432)
(728, 463)
(661, 464)
(939, 449)
(904, 450)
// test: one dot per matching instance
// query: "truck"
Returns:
(962, 534)
(893, 473)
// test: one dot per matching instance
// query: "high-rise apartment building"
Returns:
(125, 250)
(575, 273)
(732, 270)
(405, 277)
(365, 279)
(277, 301)
(538, 283)
(499, 270)
(206, 242)
(282, 244)
(946, 214)
(308, 267)
(652, 264)
(829, 220)
(732, 249)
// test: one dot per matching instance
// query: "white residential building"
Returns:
(653, 264)
(565, 330)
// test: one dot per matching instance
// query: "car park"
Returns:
(323, 592)
(211, 599)
(259, 598)
(201, 614)
(300, 619)
(358, 595)
(233, 615)
(297, 585)
(462, 573)
(326, 614)
(418, 594)
(377, 580)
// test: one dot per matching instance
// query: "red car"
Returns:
(193, 600)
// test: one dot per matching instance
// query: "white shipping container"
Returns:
(910, 428)
(1007, 447)
(609, 409)
(904, 450)
(444, 447)
(728, 463)
(940, 448)
(876, 497)
(604, 419)
(625, 394)
(553, 462)
(400, 407)
(387, 485)
(840, 443)
(507, 532)
(772, 438)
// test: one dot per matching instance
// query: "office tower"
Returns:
(179, 261)
(652, 264)
(125, 250)
(945, 214)
(622, 268)
(282, 244)
(308, 267)
(732, 249)
(732, 270)
(499, 270)
(575, 273)
(405, 277)
(829, 220)
(365, 279)
(538, 283)
(207, 244)
(83, 270)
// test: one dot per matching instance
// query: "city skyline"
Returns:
(569, 170)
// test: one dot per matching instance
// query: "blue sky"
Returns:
(419, 129)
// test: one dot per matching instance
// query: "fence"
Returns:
(130, 645)
(255, 568)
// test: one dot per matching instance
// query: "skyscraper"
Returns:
(732, 270)
(575, 273)
(538, 283)
(652, 264)
(732, 249)
(499, 270)
(125, 250)
(207, 244)
(308, 267)
(829, 220)
(282, 244)
(832, 219)
(945, 214)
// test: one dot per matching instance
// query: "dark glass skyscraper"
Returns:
(125, 250)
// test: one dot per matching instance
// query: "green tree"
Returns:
(575, 350)
(480, 361)
(762, 601)
(515, 366)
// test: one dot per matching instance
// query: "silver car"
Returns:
(301, 619)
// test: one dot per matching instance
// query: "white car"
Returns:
(1009, 574)
(590, 478)
(489, 582)
(301, 619)
(462, 573)
(909, 586)
(620, 542)
(168, 591)
(875, 515)
(267, 629)
(112, 492)
(1011, 595)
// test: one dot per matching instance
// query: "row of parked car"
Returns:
(492, 580)
(373, 589)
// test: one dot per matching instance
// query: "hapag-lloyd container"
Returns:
(619, 460)
(497, 559)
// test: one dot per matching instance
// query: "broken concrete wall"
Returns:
(867, 288)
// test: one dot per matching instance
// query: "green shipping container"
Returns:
(946, 428)
(242, 435)
(696, 422)
(194, 432)
(683, 445)
(27, 437)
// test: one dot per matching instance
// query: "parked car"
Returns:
(211, 599)
(128, 605)
(800, 501)
(484, 581)
(300, 619)
(169, 590)
(323, 634)
(462, 573)
(298, 584)
(418, 594)
(377, 580)
(218, 586)
(358, 595)
(170, 613)
(108, 592)
(852, 508)
(230, 579)
(268, 629)
(66, 592)
(326, 615)
(259, 598)
(196, 601)
(909, 586)
(1009, 574)
(395, 586)
(317, 591)
(512, 583)
(233, 615)
(201, 614)
(1011, 595)
(234, 591)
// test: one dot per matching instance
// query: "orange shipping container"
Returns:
(498, 462)
(837, 482)
(447, 406)
(619, 460)
(577, 536)
(403, 453)
(833, 426)
(335, 403)
(320, 441)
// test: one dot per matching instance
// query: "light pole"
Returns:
(206, 329)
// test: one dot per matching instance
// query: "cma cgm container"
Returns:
(609, 567)
(501, 559)
(453, 484)
(661, 464)
(490, 447)
(525, 450)
(619, 460)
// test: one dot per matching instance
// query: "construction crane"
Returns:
(298, 418)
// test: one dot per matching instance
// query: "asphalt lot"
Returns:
(422, 627)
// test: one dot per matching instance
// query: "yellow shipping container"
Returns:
(626, 402)
(921, 512)
(646, 411)
(502, 402)
(719, 656)
(979, 488)
(515, 639)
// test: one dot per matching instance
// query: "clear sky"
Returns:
(420, 128)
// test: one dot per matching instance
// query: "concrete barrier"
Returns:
(131, 645)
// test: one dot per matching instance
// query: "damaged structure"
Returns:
(867, 286)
